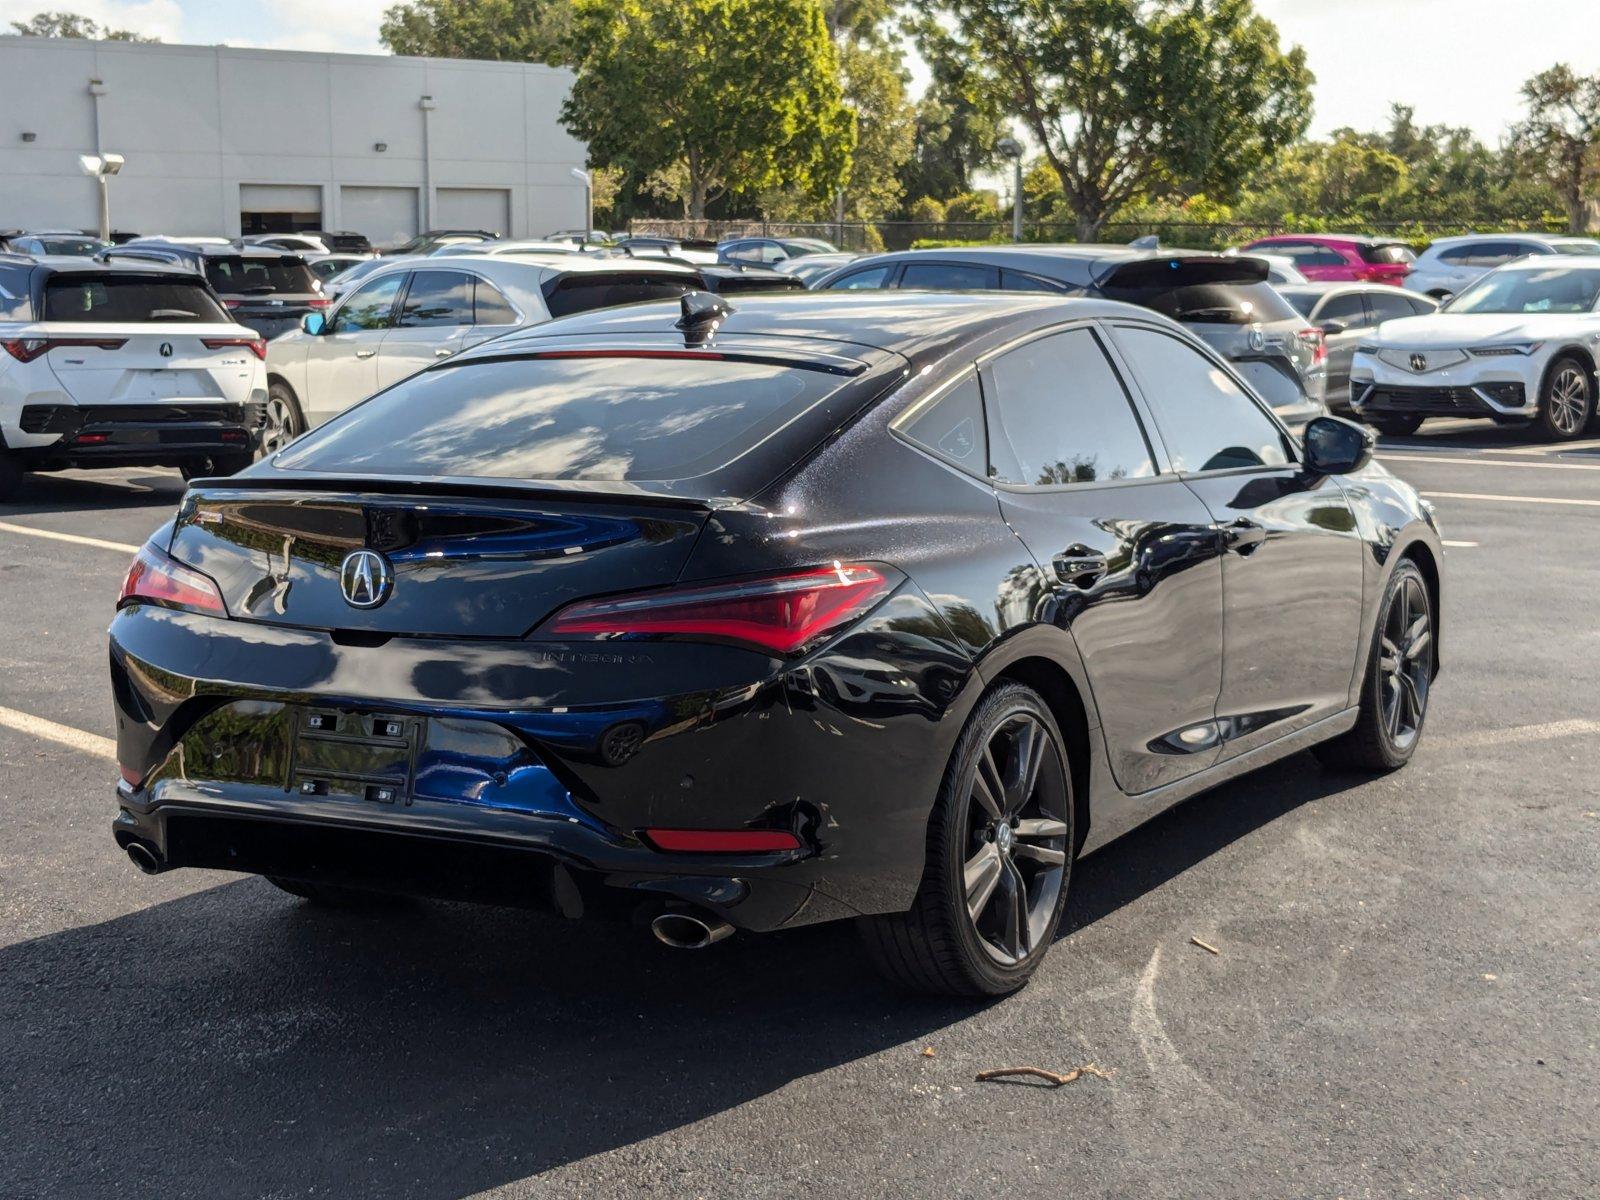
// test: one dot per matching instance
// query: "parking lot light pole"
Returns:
(587, 180)
(102, 167)
(1012, 149)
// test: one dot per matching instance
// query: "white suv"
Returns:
(1451, 264)
(105, 364)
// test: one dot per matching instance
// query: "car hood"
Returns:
(1453, 331)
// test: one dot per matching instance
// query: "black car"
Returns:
(735, 279)
(266, 290)
(881, 607)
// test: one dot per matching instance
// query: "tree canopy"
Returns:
(1560, 138)
(501, 30)
(73, 25)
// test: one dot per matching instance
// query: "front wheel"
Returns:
(1567, 403)
(284, 419)
(1000, 848)
(1394, 695)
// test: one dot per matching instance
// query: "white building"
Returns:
(226, 141)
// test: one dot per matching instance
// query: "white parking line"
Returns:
(1547, 732)
(74, 538)
(1446, 460)
(1559, 448)
(1461, 545)
(1510, 499)
(65, 735)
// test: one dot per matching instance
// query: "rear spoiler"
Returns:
(1185, 270)
(602, 492)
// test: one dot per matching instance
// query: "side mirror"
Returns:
(1333, 328)
(313, 323)
(1334, 446)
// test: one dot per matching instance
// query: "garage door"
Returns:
(387, 215)
(475, 208)
(279, 207)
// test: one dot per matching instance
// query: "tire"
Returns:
(1396, 426)
(285, 421)
(1378, 743)
(11, 474)
(1566, 401)
(939, 946)
(216, 465)
(325, 895)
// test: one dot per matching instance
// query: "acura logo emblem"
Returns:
(1258, 340)
(365, 578)
(166, 349)
(1419, 362)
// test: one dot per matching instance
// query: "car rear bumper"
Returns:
(136, 434)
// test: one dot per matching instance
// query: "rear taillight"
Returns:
(319, 302)
(783, 614)
(1317, 342)
(256, 345)
(28, 349)
(232, 303)
(157, 578)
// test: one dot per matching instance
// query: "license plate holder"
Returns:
(354, 755)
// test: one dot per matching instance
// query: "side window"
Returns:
(14, 304)
(1016, 281)
(1061, 415)
(490, 306)
(1347, 309)
(947, 277)
(1387, 307)
(1455, 256)
(871, 277)
(1421, 307)
(369, 308)
(951, 426)
(1209, 423)
(1494, 254)
(437, 298)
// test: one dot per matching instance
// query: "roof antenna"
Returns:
(1149, 241)
(702, 314)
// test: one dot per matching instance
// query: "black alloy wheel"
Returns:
(1000, 852)
(1394, 698)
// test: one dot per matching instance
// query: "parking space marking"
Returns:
(1461, 545)
(1560, 448)
(1488, 462)
(1510, 499)
(1546, 732)
(65, 735)
(72, 538)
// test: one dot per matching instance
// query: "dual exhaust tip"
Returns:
(685, 930)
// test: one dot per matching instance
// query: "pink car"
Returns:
(1341, 257)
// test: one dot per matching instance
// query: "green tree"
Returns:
(501, 30)
(743, 93)
(959, 117)
(72, 25)
(1137, 99)
(1558, 139)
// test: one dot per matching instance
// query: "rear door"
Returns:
(341, 363)
(431, 323)
(1129, 552)
(1292, 568)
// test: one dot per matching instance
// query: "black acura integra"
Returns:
(882, 607)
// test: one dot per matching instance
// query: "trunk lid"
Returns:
(155, 363)
(492, 565)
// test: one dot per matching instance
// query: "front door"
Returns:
(342, 364)
(431, 326)
(1292, 572)
(1130, 555)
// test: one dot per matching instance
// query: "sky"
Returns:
(1457, 62)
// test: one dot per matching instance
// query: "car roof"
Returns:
(1078, 263)
(552, 263)
(1544, 239)
(1544, 262)
(62, 264)
(203, 249)
(1328, 289)
(1354, 239)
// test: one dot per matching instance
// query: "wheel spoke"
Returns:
(1418, 645)
(1014, 895)
(988, 787)
(1040, 854)
(1389, 659)
(1391, 705)
(1033, 759)
(980, 875)
(1041, 827)
(1413, 700)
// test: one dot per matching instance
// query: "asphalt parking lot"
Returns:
(1406, 1001)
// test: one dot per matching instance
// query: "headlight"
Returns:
(1523, 348)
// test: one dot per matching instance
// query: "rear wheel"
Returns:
(1396, 426)
(1394, 697)
(284, 422)
(325, 895)
(1567, 402)
(1000, 849)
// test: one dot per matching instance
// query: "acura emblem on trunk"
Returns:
(365, 578)
(1419, 362)
(1258, 340)
(166, 349)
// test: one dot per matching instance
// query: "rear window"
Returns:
(1212, 303)
(1389, 255)
(730, 285)
(240, 276)
(613, 419)
(1302, 302)
(107, 298)
(583, 293)
(82, 247)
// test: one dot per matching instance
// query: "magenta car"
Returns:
(1341, 257)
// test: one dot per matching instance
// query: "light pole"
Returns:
(1012, 149)
(102, 167)
(587, 180)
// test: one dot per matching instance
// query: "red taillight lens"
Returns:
(157, 578)
(28, 349)
(1318, 341)
(721, 841)
(256, 346)
(783, 614)
(323, 302)
(232, 303)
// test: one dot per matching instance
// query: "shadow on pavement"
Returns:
(83, 492)
(238, 1043)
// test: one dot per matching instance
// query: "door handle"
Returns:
(1079, 565)
(365, 353)
(1241, 536)
(441, 352)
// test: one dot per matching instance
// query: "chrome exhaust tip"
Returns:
(689, 931)
(144, 858)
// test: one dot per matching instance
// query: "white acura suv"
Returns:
(1517, 347)
(122, 364)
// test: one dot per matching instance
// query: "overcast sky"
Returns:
(1458, 62)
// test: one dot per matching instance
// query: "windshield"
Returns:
(238, 275)
(1551, 290)
(110, 299)
(1211, 303)
(1578, 246)
(84, 247)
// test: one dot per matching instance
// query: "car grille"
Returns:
(69, 418)
(1444, 400)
